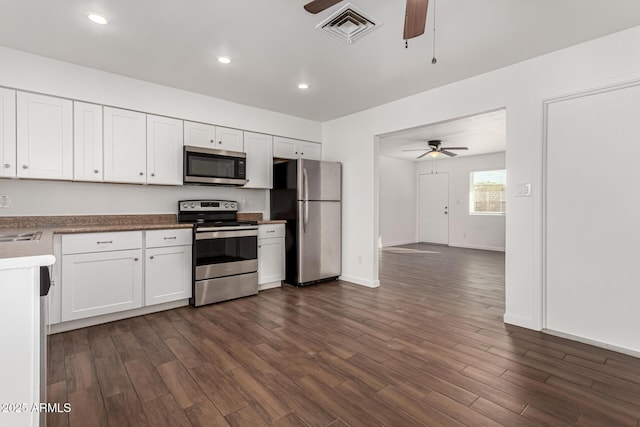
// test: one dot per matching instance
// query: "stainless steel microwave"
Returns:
(214, 167)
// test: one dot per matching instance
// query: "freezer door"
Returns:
(319, 180)
(319, 240)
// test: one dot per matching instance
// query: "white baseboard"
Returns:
(523, 322)
(481, 247)
(360, 281)
(594, 343)
(270, 285)
(399, 243)
(96, 320)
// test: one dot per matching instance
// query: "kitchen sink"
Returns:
(20, 237)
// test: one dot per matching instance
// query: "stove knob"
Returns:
(226, 205)
(233, 205)
(193, 205)
(185, 205)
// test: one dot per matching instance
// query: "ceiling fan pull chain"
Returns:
(434, 60)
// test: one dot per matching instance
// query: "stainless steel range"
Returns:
(225, 251)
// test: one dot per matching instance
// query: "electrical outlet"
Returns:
(5, 201)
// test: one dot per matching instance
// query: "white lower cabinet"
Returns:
(100, 283)
(167, 268)
(271, 255)
(104, 273)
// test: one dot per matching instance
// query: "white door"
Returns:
(229, 139)
(125, 146)
(164, 150)
(45, 137)
(167, 274)
(87, 142)
(199, 135)
(258, 148)
(101, 283)
(285, 148)
(434, 208)
(592, 222)
(7, 133)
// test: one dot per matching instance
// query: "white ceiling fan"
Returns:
(435, 148)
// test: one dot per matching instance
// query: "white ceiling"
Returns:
(274, 45)
(482, 134)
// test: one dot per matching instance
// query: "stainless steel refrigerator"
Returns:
(308, 194)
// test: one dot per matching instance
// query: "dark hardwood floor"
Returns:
(426, 348)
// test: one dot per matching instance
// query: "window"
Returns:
(487, 192)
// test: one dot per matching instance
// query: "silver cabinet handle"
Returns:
(211, 141)
(25, 167)
(259, 246)
(153, 174)
(141, 173)
(219, 142)
(170, 238)
(104, 242)
(151, 257)
(7, 165)
(96, 171)
(135, 259)
(271, 231)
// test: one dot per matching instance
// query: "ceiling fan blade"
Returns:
(415, 18)
(317, 6)
(448, 153)
(455, 148)
(422, 155)
(417, 149)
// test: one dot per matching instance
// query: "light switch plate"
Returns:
(5, 201)
(523, 190)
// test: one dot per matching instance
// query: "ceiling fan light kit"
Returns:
(435, 148)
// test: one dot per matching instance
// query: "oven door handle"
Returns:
(225, 234)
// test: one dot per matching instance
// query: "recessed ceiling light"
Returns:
(303, 86)
(224, 60)
(98, 19)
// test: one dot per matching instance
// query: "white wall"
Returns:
(397, 201)
(39, 74)
(520, 88)
(468, 231)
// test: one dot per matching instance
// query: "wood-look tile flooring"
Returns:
(426, 348)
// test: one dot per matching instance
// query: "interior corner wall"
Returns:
(521, 89)
(469, 231)
(24, 71)
(397, 186)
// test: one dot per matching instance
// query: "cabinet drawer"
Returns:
(267, 231)
(101, 242)
(169, 237)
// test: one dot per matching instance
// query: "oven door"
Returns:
(207, 166)
(225, 253)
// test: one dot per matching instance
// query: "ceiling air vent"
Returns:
(349, 23)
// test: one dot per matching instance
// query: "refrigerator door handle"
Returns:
(305, 219)
(305, 184)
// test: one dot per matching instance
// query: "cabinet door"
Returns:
(45, 137)
(101, 283)
(270, 260)
(199, 135)
(310, 150)
(7, 133)
(259, 150)
(125, 146)
(167, 274)
(87, 142)
(229, 139)
(164, 150)
(285, 148)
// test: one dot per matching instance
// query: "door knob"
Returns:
(151, 257)
(7, 165)
(96, 171)
(25, 167)
(141, 173)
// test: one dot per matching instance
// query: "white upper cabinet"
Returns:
(87, 142)
(288, 148)
(259, 150)
(125, 146)
(44, 137)
(229, 139)
(199, 135)
(7, 133)
(164, 150)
